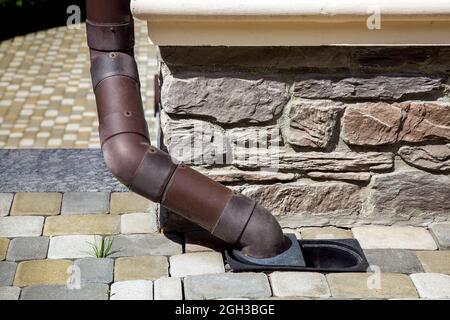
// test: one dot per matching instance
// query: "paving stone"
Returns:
(85, 203)
(138, 223)
(442, 233)
(36, 204)
(370, 286)
(435, 261)
(129, 202)
(9, 293)
(412, 238)
(432, 285)
(38, 272)
(104, 224)
(141, 268)
(72, 247)
(11, 227)
(199, 241)
(132, 290)
(96, 270)
(61, 292)
(146, 245)
(7, 272)
(326, 233)
(189, 264)
(29, 248)
(394, 260)
(168, 289)
(5, 203)
(4, 243)
(299, 284)
(226, 285)
(292, 231)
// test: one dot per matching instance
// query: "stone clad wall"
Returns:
(319, 135)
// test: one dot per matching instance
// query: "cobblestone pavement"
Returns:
(45, 241)
(46, 99)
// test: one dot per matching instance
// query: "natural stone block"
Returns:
(4, 243)
(36, 204)
(138, 223)
(11, 227)
(393, 261)
(198, 241)
(441, 232)
(146, 245)
(370, 87)
(226, 285)
(132, 290)
(85, 202)
(82, 224)
(9, 293)
(96, 270)
(226, 98)
(407, 194)
(381, 123)
(61, 292)
(72, 247)
(299, 284)
(370, 286)
(196, 263)
(129, 202)
(141, 268)
(344, 176)
(435, 261)
(30, 248)
(168, 289)
(412, 238)
(5, 203)
(38, 272)
(315, 198)
(313, 124)
(7, 272)
(432, 285)
(326, 233)
(430, 157)
(232, 175)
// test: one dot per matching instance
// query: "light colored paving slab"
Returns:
(432, 285)
(441, 231)
(146, 245)
(99, 224)
(299, 284)
(196, 263)
(130, 202)
(7, 272)
(11, 227)
(168, 289)
(85, 203)
(412, 238)
(325, 233)
(200, 241)
(5, 203)
(9, 293)
(435, 261)
(227, 285)
(141, 268)
(96, 270)
(4, 244)
(38, 272)
(61, 292)
(29, 248)
(394, 260)
(132, 290)
(293, 231)
(36, 204)
(72, 247)
(138, 223)
(370, 286)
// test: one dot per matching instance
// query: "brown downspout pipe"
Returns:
(147, 170)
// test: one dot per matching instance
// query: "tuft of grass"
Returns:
(103, 249)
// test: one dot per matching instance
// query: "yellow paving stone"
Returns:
(128, 202)
(101, 224)
(325, 233)
(38, 272)
(141, 268)
(4, 243)
(435, 261)
(36, 204)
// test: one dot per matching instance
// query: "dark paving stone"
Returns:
(394, 260)
(28, 248)
(7, 273)
(61, 292)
